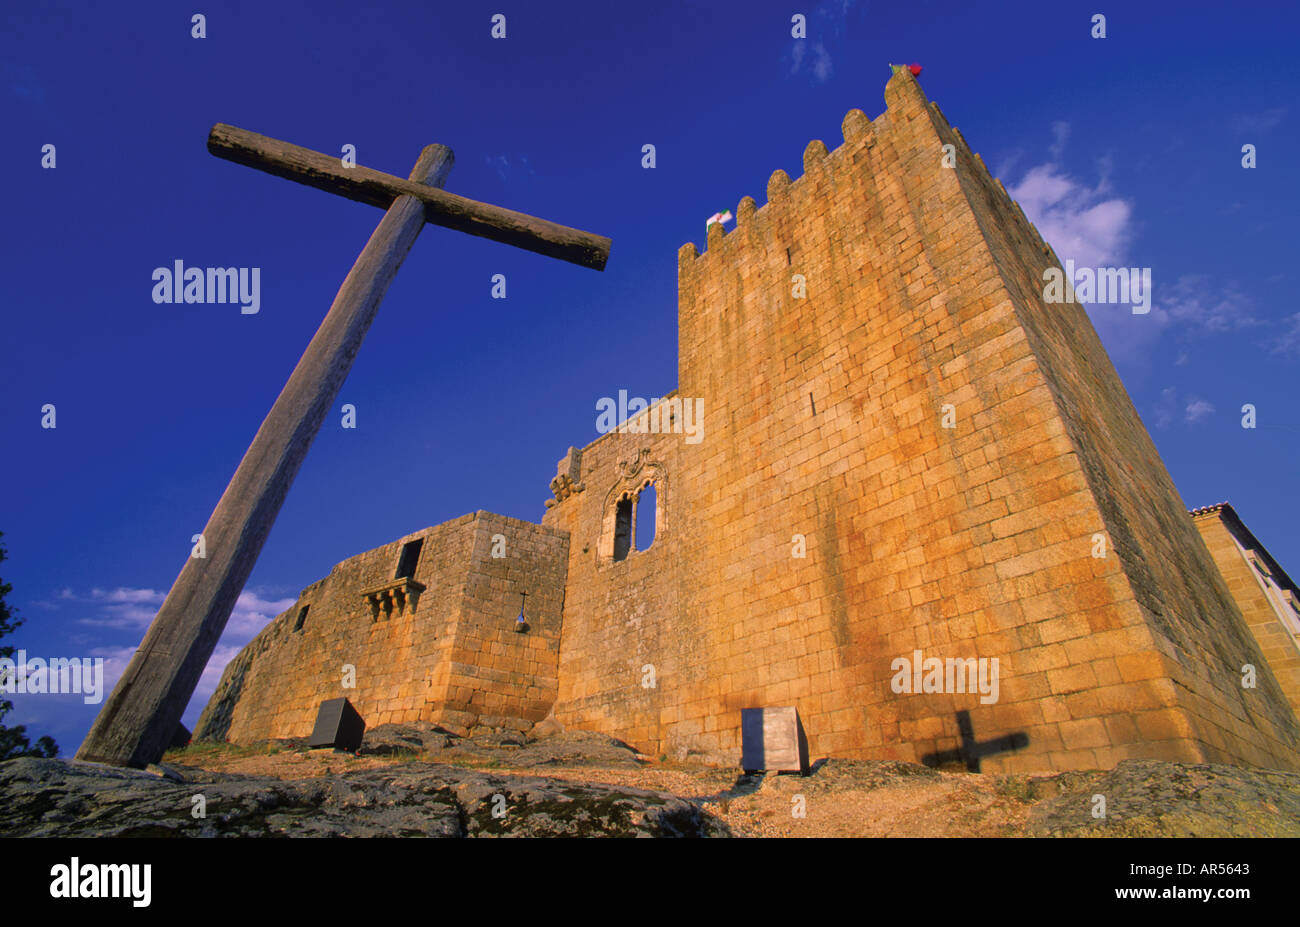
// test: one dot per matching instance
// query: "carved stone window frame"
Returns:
(635, 475)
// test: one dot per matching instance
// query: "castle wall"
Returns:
(1200, 638)
(624, 648)
(1233, 548)
(276, 684)
(823, 422)
(450, 658)
(492, 674)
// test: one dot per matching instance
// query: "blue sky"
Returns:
(1126, 151)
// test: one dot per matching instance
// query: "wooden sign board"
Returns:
(773, 740)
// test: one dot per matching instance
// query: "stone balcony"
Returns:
(394, 595)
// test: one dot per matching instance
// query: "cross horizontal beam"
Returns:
(376, 188)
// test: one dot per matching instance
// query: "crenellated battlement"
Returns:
(905, 101)
(856, 128)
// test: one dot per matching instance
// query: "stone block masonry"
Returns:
(451, 655)
(903, 448)
(973, 541)
(1269, 599)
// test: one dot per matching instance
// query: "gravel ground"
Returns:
(841, 798)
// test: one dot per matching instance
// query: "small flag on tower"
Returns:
(914, 68)
(724, 216)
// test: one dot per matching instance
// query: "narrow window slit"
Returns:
(409, 559)
(646, 513)
(623, 529)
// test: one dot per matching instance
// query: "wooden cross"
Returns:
(139, 718)
(970, 751)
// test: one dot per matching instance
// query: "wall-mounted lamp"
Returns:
(521, 625)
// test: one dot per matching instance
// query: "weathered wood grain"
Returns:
(365, 185)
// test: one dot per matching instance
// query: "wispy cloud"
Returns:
(1258, 122)
(1288, 343)
(1198, 304)
(819, 60)
(1166, 407)
(813, 55)
(1169, 408)
(123, 612)
(1060, 135)
(128, 608)
(1197, 409)
(1083, 222)
(221, 657)
(1088, 223)
(508, 166)
(121, 608)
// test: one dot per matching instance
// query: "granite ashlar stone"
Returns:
(903, 446)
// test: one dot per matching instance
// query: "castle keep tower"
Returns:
(903, 449)
(823, 421)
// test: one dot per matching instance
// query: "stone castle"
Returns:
(904, 449)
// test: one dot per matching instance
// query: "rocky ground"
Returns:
(417, 780)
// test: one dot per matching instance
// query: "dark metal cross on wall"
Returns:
(139, 718)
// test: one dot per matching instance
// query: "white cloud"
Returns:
(115, 661)
(1198, 304)
(121, 594)
(1165, 406)
(127, 608)
(510, 165)
(122, 608)
(1092, 226)
(821, 65)
(1081, 222)
(819, 60)
(1060, 134)
(1198, 409)
(221, 657)
(1289, 342)
(826, 26)
(1089, 225)
(1258, 122)
(251, 614)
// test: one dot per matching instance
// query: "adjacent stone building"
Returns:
(897, 452)
(1269, 600)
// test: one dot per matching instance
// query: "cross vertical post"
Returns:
(138, 719)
